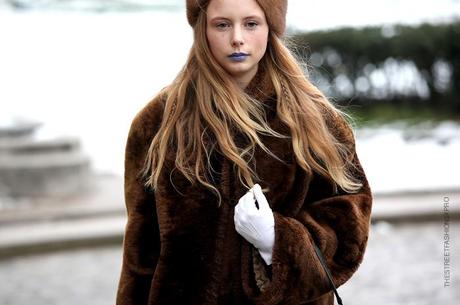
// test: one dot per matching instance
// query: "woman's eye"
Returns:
(222, 25)
(251, 24)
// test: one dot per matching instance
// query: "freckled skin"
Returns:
(233, 27)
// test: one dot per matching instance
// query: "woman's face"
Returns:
(237, 34)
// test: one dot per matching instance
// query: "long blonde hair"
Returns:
(204, 101)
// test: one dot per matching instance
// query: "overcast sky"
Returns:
(306, 14)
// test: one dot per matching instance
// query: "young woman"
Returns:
(235, 170)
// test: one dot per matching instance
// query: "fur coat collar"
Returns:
(185, 250)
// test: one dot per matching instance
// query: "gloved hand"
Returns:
(256, 225)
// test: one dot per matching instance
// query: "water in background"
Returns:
(86, 73)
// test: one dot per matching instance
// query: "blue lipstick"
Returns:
(238, 56)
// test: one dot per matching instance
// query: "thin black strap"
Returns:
(323, 263)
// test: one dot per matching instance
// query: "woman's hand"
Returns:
(256, 224)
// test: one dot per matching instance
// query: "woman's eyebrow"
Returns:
(219, 18)
(245, 18)
(253, 17)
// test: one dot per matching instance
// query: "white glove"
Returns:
(256, 225)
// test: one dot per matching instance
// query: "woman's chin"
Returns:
(241, 71)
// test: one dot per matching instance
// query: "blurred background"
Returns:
(73, 73)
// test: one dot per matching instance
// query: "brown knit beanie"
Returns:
(275, 12)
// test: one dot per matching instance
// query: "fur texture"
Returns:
(275, 12)
(185, 250)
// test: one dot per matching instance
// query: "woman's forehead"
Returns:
(234, 9)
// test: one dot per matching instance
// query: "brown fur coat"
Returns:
(185, 250)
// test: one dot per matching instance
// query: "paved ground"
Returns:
(403, 265)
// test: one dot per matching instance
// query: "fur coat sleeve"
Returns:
(141, 245)
(337, 223)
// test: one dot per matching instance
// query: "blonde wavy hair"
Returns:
(204, 100)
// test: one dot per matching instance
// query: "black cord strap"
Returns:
(323, 263)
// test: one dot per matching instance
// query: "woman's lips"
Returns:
(238, 56)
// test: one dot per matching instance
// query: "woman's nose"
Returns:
(237, 39)
(237, 42)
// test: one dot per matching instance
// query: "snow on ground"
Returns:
(397, 157)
